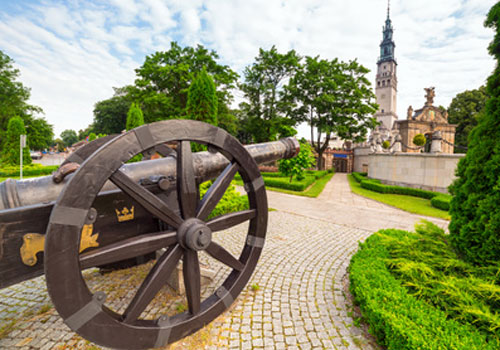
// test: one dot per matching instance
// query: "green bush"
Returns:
(419, 140)
(375, 185)
(386, 144)
(287, 185)
(28, 170)
(232, 200)
(416, 294)
(358, 176)
(441, 202)
(475, 209)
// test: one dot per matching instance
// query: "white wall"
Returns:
(434, 172)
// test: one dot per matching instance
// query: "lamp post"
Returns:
(22, 143)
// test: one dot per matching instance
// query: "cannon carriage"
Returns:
(99, 210)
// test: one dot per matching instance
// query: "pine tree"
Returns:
(475, 210)
(202, 99)
(11, 149)
(135, 117)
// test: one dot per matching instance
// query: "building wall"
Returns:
(361, 159)
(434, 172)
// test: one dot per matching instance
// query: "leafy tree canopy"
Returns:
(40, 133)
(69, 137)
(464, 110)
(332, 97)
(474, 209)
(163, 80)
(265, 112)
(11, 150)
(110, 116)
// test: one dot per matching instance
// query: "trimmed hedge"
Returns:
(402, 320)
(287, 185)
(28, 170)
(441, 202)
(438, 200)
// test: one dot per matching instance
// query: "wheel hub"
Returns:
(194, 234)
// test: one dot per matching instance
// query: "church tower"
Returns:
(386, 81)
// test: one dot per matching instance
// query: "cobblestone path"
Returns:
(296, 299)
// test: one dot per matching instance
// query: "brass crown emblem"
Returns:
(125, 215)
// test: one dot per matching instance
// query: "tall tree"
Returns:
(40, 133)
(135, 117)
(333, 98)
(14, 96)
(464, 110)
(69, 137)
(475, 213)
(163, 80)
(110, 116)
(11, 150)
(202, 99)
(263, 88)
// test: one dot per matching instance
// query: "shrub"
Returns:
(293, 186)
(296, 166)
(419, 140)
(232, 200)
(475, 213)
(358, 176)
(11, 147)
(386, 144)
(441, 202)
(375, 185)
(416, 294)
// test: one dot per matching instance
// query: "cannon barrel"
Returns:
(19, 193)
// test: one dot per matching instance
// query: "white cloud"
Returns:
(72, 53)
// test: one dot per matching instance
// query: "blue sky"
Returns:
(71, 53)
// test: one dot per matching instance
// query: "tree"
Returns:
(464, 110)
(295, 166)
(40, 133)
(475, 213)
(69, 137)
(110, 116)
(263, 88)
(11, 150)
(164, 78)
(13, 96)
(202, 99)
(134, 117)
(333, 98)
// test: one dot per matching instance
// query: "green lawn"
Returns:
(410, 204)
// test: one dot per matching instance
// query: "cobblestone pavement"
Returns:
(296, 299)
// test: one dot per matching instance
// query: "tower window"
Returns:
(384, 67)
(378, 83)
(383, 82)
(382, 111)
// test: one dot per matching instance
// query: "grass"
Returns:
(410, 204)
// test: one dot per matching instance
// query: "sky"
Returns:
(72, 53)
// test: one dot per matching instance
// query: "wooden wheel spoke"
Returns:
(229, 220)
(186, 182)
(154, 281)
(165, 151)
(216, 191)
(221, 254)
(191, 271)
(148, 200)
(129, 248)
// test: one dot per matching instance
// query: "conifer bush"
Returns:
(11, 148)
(475, 208)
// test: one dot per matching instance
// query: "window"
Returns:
(378, 83)
(382, 111)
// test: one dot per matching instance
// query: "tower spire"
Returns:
(388, 7)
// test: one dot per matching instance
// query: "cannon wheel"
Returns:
(85, 312)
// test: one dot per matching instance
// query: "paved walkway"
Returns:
(296, 299)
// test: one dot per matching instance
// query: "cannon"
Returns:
(100, 209)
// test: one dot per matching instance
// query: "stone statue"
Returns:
(410, 113)
(430, 94)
